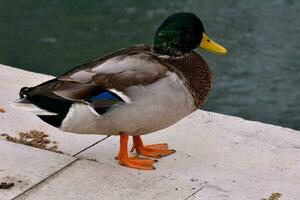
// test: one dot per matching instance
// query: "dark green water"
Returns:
(259, 79)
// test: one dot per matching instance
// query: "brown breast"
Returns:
(195, 72)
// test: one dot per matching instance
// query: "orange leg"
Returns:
(132, 162)
(153, 150)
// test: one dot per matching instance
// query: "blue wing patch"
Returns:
(107, 95)
(104, 101)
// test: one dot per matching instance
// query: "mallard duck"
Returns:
(132, 91)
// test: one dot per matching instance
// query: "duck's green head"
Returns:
(182, 32)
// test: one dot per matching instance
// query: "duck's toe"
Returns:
(138, 163)
(154, 151)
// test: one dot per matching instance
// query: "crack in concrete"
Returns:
(46, 178)
(90, 146)
(61, 169)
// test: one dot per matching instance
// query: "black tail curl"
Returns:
(23, 92)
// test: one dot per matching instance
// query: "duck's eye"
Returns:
(208, 40)
(189, 29)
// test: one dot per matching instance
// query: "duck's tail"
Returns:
(24, 104)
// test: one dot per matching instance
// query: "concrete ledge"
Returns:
(218, 157)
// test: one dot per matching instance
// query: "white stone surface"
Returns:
(92, 180)
(228, 157)
(218, 157)
(14, 121)
(26, 166)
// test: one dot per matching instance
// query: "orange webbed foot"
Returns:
(164, 146)
(153, 150)
(138, 163)
(132, 162)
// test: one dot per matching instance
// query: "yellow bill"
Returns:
(210, 45)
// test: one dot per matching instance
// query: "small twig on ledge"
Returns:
(2, 110)
(193, 193)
